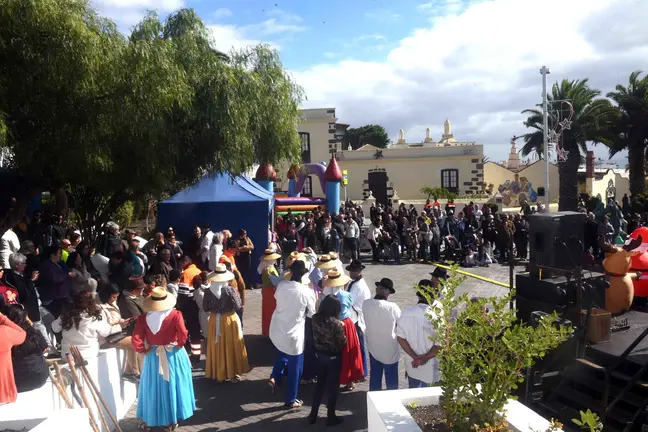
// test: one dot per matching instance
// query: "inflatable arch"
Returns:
(310, 169)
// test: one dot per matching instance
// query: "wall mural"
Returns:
(517, 191)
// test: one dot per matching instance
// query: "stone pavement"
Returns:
(249, 406)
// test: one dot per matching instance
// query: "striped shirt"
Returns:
(185, 290)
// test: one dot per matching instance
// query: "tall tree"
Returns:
(374, 135)
(631, 127)
(83, 106)
(592, 121)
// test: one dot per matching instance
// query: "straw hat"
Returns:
(159, 300)
(294, 256)
(270, 255)
(325, 263)
(220, 274)
(299, 267)
(335, 279)
(334, 255)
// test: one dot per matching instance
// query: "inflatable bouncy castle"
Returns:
(329, 177)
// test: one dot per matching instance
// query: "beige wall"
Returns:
(409, 168)
(407, 176)
(535, 174)
(622, 185)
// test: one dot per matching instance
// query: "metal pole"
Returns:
(544, 71)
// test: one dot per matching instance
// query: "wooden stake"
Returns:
(94, 398)
(63, 385)
(60, 389)
(79, 385)
(93, 387)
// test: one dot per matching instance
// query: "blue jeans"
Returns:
(292, 365)
(414, 383)
(363, 349)
(377, 369)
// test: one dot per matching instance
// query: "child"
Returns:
(469, 259)
(485, 253)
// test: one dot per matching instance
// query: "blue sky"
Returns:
(411, 64)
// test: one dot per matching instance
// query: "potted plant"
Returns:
(483, 353)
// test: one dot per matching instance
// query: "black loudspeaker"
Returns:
(557, 294)
(541, 191)
(556, 240)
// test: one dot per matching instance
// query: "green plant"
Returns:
(483, 353)
(438, 192)
(589, 421)
(125, 213)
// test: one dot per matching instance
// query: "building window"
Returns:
(335, 147)
(305, 141)
(450, 179)
(305, 146)
(307, 190)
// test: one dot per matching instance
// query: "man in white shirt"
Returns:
(381, 317)
(287, 330)
(9, 243)
(414, 333)
(359, 291)
(351, 237)
(205, 245)
(373, 236)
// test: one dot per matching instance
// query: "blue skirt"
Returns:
(164, 403)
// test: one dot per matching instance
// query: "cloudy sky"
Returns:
(411, 64)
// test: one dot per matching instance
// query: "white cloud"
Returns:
(479, 68)
(443, 7)
(272, 27)
(227, 37)
(127, 13)
(221, 13)
(285, 16)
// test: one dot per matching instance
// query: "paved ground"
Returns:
(248, 405)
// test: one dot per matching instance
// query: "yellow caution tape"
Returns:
(476, 276)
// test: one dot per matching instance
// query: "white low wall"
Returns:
(31, 408)
(386, 411)
(76, 420)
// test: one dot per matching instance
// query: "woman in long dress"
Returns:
(227, 357)
(166, 394)
(267, 270)
(352, 369)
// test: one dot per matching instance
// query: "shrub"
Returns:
(124, 214)
(483, 354)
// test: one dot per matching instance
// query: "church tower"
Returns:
(513, 162)
(401, 137)
(447, 133)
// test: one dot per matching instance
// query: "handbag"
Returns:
(117, 337)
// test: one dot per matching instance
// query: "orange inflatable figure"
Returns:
(640, 263)
(617, 264)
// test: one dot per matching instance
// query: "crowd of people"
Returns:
(167, 303)
(166, 299)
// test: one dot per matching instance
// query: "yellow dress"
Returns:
(226, 354)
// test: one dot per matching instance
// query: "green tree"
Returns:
(116, 119)
(374, 135)
(631, 127)
(592, 121)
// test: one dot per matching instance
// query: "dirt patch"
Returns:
(430, 418)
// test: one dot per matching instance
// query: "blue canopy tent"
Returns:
(225, 203)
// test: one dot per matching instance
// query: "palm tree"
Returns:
(631, 127)
(591, 122)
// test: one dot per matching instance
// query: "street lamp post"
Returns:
(544, 71)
